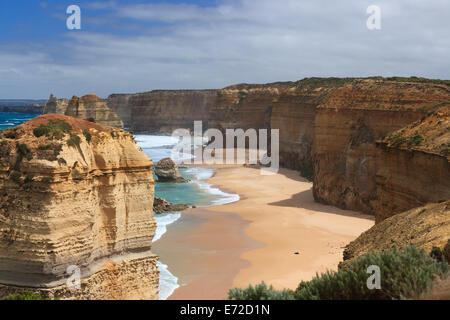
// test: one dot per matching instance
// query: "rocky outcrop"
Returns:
(167, 171)
(55, 105)
(91, 107)
(76, 194)
(161, 205)
(414, 165)
(425, 227)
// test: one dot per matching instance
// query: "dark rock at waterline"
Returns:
(166, 170)
(161, 205)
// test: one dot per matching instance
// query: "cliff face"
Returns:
(165, 111)
(121, 105)
(92, 107)
(76, 193)
(414, 165)
(347, 125)
(328, 127)
(55, 105)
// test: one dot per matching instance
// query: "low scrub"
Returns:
(404, 274)
(26, 295)
(54, 129)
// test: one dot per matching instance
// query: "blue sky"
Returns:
(135, 46)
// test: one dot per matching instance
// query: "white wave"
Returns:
(167, 281)
(147, 141)
(162, 221)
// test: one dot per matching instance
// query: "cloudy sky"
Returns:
(135, 46)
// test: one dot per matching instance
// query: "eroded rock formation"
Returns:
(92, 107)
(76, 193)
(161, 205)
(167, 171)
(55, 105)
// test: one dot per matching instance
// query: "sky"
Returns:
(136, 46)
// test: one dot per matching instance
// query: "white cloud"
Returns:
(187, 46)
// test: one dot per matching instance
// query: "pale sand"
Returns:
(279, 213)
(283, 215)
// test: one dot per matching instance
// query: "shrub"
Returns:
(54, 129)
(74, 141)
(260, 292)
(29, 178)
(26, 295)
(404, 274)
(45, 147)
(15, 176)
(23, 149)
(47, 179)
(417, 139)
(87, 135)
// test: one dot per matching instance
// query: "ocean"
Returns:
(196, 192)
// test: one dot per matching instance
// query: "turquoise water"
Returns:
(12, 119)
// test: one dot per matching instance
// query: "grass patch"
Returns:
(74, 141)
(54, 129)
(87, 135)
(26, 295)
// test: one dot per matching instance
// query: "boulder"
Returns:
(166, 170)
(161, 205)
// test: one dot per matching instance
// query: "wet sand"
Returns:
(276, 233)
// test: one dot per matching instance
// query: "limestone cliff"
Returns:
(120, 103)
(347, 126)
(328, 127)
(76, 193)
(414, 165)
(165, 111)
(92, 107)
(55, 105)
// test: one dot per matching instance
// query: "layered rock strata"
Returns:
(91, 107)
(76, 194)
(55, 105)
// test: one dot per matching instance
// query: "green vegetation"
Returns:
(404, 274)
(45, 146)
(16, 176)
(87, 135)
(417, 139)
(23, 149)
(260, 292)
(47, 179)
(54, 129)
(307, 171)
(74, 141)
(26, 295)
(28, 178)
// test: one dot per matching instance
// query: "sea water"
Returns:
(196, 192)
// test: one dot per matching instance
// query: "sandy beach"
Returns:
(276, 233)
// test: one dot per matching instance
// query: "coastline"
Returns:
(275, 233)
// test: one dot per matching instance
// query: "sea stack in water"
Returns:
(55, 105)
(161, 205)
(166, 170)
(76, 196)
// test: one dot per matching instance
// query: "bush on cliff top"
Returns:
(404, 274)
(74, 141)
(26, 295)
(54, 129)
